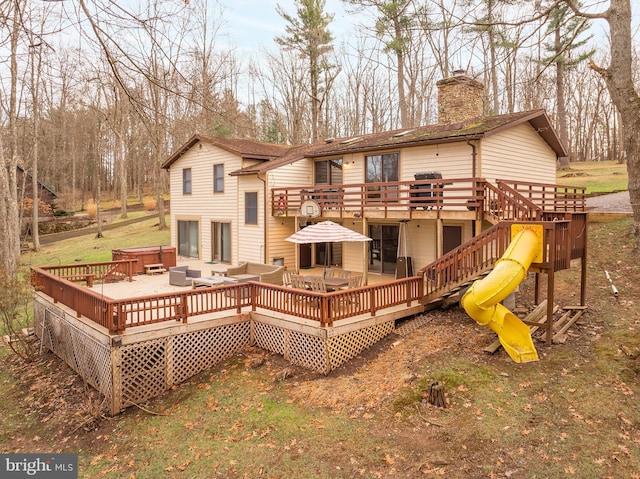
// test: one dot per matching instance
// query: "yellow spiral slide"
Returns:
(482, 299)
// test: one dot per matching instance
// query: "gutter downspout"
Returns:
(474, 158)
(474, 168)
(264, 227)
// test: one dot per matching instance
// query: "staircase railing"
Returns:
(549, 197)
(502, 202)
(466, 262)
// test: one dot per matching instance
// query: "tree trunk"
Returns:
(437, 394)
(560, 101)
(619, 80)
(402, 96)
(9, 218)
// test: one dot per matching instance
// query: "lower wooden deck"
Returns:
(147, 360)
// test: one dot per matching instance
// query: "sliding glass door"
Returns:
(221, 242)
(188, 239)
(383, 250)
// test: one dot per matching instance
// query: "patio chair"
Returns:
(352, 301)
(341, 273)
(182, 275)
(286, 277)
(318, 285)
(297, 281)
(354, 282)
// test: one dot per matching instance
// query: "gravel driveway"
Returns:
(615, 202)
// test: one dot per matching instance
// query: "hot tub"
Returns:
(165, 255)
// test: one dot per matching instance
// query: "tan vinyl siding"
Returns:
(354, 254)
(299, 173)
(202, 202)
(279, 228)
(421, 243)
(518, 153)
(248, 242)
(453, 160)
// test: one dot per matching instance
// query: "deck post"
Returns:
(551, 284)
(116, 379)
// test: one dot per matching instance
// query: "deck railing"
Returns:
(504, 202)
(458, 194)
(104, 271)
(550, 197)
(436, 194)
(465, 262)
(119, 314)
(342, 304)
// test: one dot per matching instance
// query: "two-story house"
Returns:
(238, 200)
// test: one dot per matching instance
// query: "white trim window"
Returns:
(251, 208)
(218, 178)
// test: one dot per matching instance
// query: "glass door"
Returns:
(383, 250)
(221, 234)
(188, 239)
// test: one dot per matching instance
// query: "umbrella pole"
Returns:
(326, 260)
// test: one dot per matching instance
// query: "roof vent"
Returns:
(351, 140)
(403, 133)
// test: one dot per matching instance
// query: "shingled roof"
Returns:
(247, 149)
(274, 156)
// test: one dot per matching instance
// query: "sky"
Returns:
(253, 24)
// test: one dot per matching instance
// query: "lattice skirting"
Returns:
(317, 350)
(343, 347)
(86, 354)
(148, 368)
(136, 367)
(135, 372)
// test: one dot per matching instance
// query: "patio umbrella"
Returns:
(326, 232)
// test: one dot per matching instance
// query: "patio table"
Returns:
(219, 270)
(207, 281)
(332, 283)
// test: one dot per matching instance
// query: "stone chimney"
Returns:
(460, 98)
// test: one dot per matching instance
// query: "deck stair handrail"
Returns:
(549, 197)
(465, 263)
(502, 202)
(563, 240)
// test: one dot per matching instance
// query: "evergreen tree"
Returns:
(566, 29)
(308, 34)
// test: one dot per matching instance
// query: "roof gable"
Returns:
(246, 149)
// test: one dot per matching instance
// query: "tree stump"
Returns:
(437, 394)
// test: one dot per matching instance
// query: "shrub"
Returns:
(150, 204)
(92, 209)
(61, 212)
(15, 301)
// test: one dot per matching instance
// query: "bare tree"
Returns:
(566, 30)
(9, 216)
(618, 77)
(286, 95)
(395, 20)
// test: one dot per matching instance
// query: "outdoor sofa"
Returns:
(266, 273)
(182, 275)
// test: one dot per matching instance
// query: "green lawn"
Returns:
(87, 248)
(597, 177)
